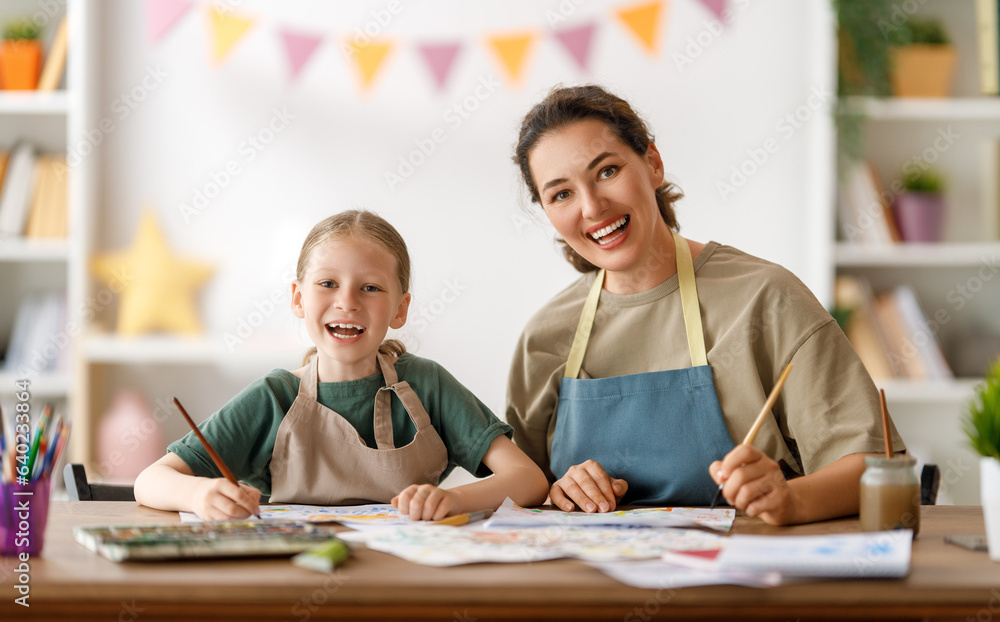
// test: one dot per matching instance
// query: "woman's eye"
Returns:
(608, 171)
(561, 195)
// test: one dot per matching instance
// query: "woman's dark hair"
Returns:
(565, 105)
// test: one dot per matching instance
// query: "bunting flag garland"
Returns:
(226, 30)
(512, 51)
(577, 42)
(161, 15)
(440, 57)
(368, 57)
(642, 20)
(299, 48)
(717, 7)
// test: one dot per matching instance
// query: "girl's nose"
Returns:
(346, 300)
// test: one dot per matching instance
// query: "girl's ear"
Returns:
(297, 300)
(400, 318)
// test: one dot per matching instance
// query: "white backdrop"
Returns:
(716, 96)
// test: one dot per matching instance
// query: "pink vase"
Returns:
(129, 438)
(920, 216)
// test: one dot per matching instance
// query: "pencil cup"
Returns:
(24, 511)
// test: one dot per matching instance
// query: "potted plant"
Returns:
(919, 209)
(983, 429)
(922, 59)
(20, 56)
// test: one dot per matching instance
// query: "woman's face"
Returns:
(600, 196)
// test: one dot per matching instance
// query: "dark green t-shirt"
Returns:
(243, 431)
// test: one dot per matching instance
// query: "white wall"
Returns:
(463, 211)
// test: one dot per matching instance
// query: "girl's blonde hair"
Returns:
(361, 224)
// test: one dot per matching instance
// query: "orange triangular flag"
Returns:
(642, 20)
(369, 58)
(226, 30)
(513, 50)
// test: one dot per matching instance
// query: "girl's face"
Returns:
(600, 196)
(349, 298)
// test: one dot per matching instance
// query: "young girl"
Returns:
(310, 435)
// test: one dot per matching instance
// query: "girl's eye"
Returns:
(608, 171)
(371, 288)
(327, 284)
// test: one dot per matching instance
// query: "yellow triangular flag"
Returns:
(369, 58)
(512, 50)
(642, 20)
(226, 30)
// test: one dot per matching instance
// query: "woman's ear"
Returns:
(655, 163)
(400, 318)
(297, 301)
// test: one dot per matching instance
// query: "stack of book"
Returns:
(864, 207)
(890, 332)
(33, 193)
(988, 26)
(39, 341)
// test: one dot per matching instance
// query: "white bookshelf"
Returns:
(32, 103)
(955, 278)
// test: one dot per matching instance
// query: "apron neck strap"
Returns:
(689, 301)
(388, 370)
(690, 308)
(310, 378)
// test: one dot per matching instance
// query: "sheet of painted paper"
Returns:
(653, 574)
(441, 545)
(356, 516)
(512, 515)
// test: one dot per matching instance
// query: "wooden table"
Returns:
(69, 582)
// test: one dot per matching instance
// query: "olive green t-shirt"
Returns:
(243, 431)
(757, 317)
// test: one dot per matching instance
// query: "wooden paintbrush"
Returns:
(752, 434)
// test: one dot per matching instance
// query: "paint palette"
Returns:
(201, 540)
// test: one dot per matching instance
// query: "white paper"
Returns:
(655, 574)
(356, 516)
(511, 515)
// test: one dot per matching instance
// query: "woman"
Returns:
(630, 385)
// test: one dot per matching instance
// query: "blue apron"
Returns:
(658, 431)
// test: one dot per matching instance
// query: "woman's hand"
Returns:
(589, 487)
(756, 485)
(216, 498)
(427, 502)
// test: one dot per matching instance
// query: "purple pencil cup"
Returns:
(24, 511)
(920, 216)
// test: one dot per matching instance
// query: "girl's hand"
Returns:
(427, 502)
(589, 487)
(756, 485)
(216, 498)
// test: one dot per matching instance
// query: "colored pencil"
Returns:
(759, 422)
(208, 447)
(39, 432)
(465, 519)
(885, 424)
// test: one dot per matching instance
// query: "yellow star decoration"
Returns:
(157, 288)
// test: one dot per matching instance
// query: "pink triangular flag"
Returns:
(440, 57)
(715, 6)
(161, 15)
(299, 47)
(577, 42)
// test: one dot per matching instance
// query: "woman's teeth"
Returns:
(602, 233)
(345, 331)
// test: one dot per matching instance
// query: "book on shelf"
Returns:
(890, 332)
(16, 193)
(55, 60)
(989, 176)
(48, 215)
(37, 342)
(865, 214)
(988, 39)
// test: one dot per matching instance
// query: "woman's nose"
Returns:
(592, 203)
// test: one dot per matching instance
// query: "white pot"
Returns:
(989, 478)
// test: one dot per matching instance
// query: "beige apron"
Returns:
(319, 458)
